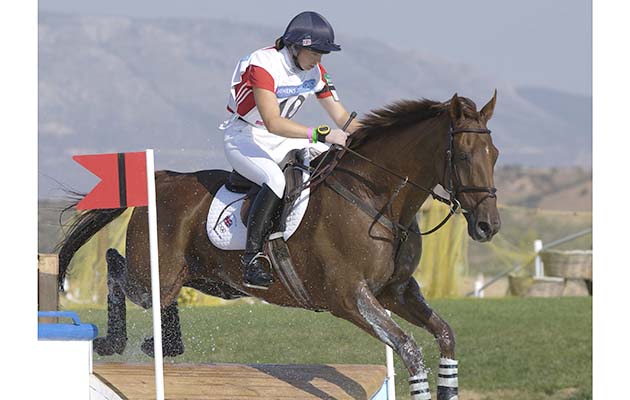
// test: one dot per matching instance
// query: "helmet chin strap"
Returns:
(294, 53)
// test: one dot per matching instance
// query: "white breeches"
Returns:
(255, 153)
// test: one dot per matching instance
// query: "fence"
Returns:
(534, 259)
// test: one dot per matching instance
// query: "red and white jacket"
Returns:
(274, 70)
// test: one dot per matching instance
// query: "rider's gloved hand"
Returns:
(337, 136)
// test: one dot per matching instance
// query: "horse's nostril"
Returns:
(484, 228)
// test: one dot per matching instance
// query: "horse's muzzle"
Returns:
(482, 229)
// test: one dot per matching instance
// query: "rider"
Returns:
(267, 89)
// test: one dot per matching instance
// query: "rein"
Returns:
(401, 232)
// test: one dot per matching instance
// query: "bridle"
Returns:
(454, 186)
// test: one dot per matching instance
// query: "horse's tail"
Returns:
(83, 227)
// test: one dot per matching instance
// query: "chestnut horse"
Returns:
(350, 266)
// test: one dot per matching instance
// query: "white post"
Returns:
(478, 285)
(90, 364)
(389, 359)
(539, 271)
(155, 278)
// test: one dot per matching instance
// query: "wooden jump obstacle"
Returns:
(47, 271)
(135, 381)
(566, 273)
(120, 381)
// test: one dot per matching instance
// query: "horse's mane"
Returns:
(404, 113)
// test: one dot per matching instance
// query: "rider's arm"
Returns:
(338, 113)
(268, 108)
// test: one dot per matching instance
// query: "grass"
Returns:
(523, 348)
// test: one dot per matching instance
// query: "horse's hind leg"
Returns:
(364, 310)
(172, 344)
(407, 301)
(116, 338)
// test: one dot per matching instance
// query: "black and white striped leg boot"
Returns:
(419, 387)
(447, 379)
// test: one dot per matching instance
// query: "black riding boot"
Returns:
(258, 224)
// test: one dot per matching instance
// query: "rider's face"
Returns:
(308, 59)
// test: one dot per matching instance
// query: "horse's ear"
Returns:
(455, 108)
(488, 109)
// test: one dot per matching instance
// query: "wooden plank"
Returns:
(239, 381)
(47, 296)
(48, 263)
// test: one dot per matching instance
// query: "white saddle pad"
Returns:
(225, 228)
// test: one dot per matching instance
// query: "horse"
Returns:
(353, 262)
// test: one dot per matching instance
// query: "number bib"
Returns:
(273, 70)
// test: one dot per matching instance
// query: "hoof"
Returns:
(447, 393)
(109, 345)
(168, 349)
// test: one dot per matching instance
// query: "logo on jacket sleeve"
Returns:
(331, 86)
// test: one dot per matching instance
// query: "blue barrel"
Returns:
(74, 331)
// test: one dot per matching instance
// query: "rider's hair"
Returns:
(279, 45)
(293, 50)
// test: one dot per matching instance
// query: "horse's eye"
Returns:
(464, 156)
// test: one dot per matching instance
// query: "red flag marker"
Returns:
(123, 180)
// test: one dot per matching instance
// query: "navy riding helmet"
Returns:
(311, 30)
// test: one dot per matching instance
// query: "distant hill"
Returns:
(574, 110)
(109, 84)
(565, 189)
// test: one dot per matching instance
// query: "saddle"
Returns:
(293, 166)
(275, 248)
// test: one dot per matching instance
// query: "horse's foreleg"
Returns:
(115, 340)
(407, 301)
(366, 312)
(172, 344)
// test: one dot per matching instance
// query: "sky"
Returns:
(536, 42)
